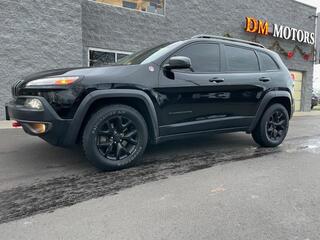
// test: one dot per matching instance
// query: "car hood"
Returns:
(112, 73)
(48, 73)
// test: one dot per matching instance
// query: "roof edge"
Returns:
(306, 4)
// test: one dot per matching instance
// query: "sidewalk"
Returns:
(8, 124)
(303, 114)
(5, 124)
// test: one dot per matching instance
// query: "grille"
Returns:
(15, 88)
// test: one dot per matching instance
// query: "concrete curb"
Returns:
(8, 124)
(303, 114)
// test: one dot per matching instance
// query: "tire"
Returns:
(115, 137)
(273, 126)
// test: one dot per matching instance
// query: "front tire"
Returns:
(115, 137)
(273, 126)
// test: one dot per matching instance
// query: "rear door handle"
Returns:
(216, 80)
(264, 79)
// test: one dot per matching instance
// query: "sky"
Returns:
(315, 3)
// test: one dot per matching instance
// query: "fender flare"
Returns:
(265, 101)
(87, 102)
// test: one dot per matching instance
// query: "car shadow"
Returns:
(34, 155)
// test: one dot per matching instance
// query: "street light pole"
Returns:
(317, 46)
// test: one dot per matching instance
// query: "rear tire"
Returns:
(273, 126)
(115, 137)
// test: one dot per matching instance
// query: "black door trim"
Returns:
(206, 125)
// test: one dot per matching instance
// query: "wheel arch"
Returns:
(137, 99)
(282, 97)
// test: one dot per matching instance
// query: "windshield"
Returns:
(148, 55)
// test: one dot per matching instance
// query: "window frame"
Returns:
(225, 70)
(260, 62)
(157, 14)
(196, 43)
(116, 52)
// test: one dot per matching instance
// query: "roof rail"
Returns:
(228, 39)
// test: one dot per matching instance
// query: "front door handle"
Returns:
(216, 80)
(264, 79)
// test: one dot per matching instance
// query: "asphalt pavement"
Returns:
(217, 187)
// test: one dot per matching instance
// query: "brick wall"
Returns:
(37, 35)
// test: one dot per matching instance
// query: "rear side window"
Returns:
(241, 59)
(205, 58)
(266, 62)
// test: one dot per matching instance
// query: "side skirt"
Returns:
(200, 133)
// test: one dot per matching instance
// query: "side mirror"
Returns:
(178, 62)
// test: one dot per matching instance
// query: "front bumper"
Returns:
(56, 127)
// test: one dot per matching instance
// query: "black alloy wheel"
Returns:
(276, 125)
(272, 127)
(115, 137)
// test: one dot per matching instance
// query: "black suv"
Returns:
(203, 85)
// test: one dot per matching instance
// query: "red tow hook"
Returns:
(16, 124)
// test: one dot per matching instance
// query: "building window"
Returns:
(101, 57)
(151, 6)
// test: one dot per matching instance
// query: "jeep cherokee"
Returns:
(203, 85)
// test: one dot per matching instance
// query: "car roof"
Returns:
(229, 39)
(224, 40)
(232, 41)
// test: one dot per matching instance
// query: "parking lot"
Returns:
(217, 187)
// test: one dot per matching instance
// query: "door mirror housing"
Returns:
(178, 62)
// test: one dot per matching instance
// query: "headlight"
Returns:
(33, 103)
(54, 81)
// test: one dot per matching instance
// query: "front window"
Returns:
(148, 55)
(205, 57)
(151, 6)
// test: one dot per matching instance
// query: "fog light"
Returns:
(38, 128)
(33, 103)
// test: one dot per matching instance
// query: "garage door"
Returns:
(297, 78)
